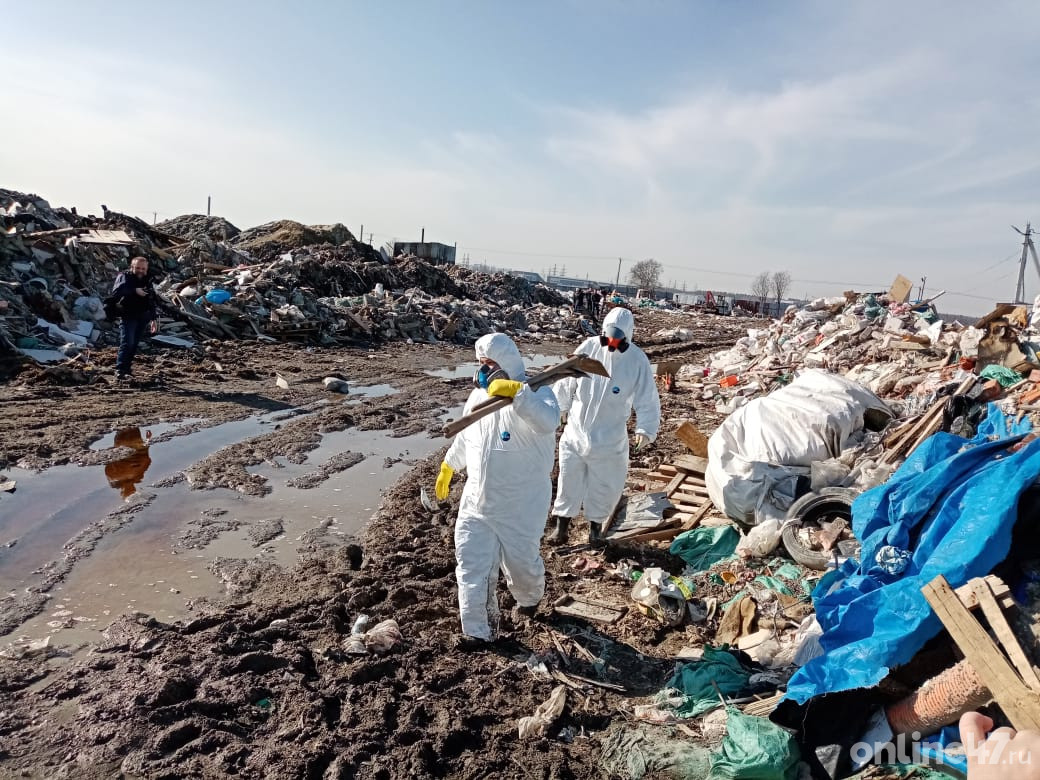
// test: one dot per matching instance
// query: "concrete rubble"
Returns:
(278, 281)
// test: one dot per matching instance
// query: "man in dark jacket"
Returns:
(136, 302)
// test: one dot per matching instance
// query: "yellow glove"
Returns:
(444, 481)
(504, 388)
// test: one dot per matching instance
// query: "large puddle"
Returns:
(533, 362)
(144, 566)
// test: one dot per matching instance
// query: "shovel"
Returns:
(575, 366)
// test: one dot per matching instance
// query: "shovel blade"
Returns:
(428, 503)
(589, 365)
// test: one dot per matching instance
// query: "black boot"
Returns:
(559, 535)
(595, 533)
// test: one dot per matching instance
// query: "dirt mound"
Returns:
(191, 225)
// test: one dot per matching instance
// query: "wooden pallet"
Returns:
(1000, 663)
(688, 492)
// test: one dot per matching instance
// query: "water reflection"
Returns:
(124, 474)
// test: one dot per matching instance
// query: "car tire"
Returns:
(808, 510)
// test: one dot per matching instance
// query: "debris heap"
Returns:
(280, 280)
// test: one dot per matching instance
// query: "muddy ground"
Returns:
(260, 686)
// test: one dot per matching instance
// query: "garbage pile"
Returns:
(280, 280)
(895, 452)
(915, 374)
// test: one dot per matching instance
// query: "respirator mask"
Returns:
(485, 375)
(613, 339)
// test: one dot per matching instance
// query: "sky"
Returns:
(842, 142)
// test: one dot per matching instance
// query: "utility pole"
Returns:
(369, 239)
(361, 235)
(617, 280)
(1027, 248)
(209, 200)
(154, 216)
(423, 239)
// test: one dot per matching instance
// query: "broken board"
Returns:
(900, 289)
(695, 441)
(571, 605)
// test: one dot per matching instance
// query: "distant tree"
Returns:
(762, 286)
(781, 282)
(646, 274)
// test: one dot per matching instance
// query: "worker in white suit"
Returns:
(508, 457)
(594, 446)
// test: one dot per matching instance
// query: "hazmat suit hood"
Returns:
(500, 348)
(621, 318)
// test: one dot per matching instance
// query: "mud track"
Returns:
(261, 686)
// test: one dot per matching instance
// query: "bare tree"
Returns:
(762, 287)
(646, 274)
(781, 282)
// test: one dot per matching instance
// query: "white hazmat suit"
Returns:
(508, 457)
(594, 445)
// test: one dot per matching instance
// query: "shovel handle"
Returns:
(483, 409)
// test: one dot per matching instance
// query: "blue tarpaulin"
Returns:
(951, 506)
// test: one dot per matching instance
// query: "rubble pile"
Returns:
(280, 280)
(905, 354)
(191, 225)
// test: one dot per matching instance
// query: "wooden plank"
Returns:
(652, 536)
(763, 707)
(577, 606)
(665, 468)
(691, 463)
(698, 516)
(1019, 703)
(999, 624)
(677, 480)
(685, 506)
(692, 437)
(1000, 590)
(692, 490)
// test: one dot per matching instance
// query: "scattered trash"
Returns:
(538, 724)
(662, 596)
(701, 548)
(335, 384)
(355, 643)
(382, 637)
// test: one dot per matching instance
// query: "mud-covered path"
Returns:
(260, 686)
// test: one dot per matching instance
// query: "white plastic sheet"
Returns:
(758, 451)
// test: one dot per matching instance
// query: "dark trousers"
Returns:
(131, 330)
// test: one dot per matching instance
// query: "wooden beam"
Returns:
(1019, 703)
(999, 625)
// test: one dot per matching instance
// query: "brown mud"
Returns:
(260, 685)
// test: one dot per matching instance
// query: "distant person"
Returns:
(595, 303)
(124, 474)
(594, 444)
(579, 299)
(134, 298)
(508, 457)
